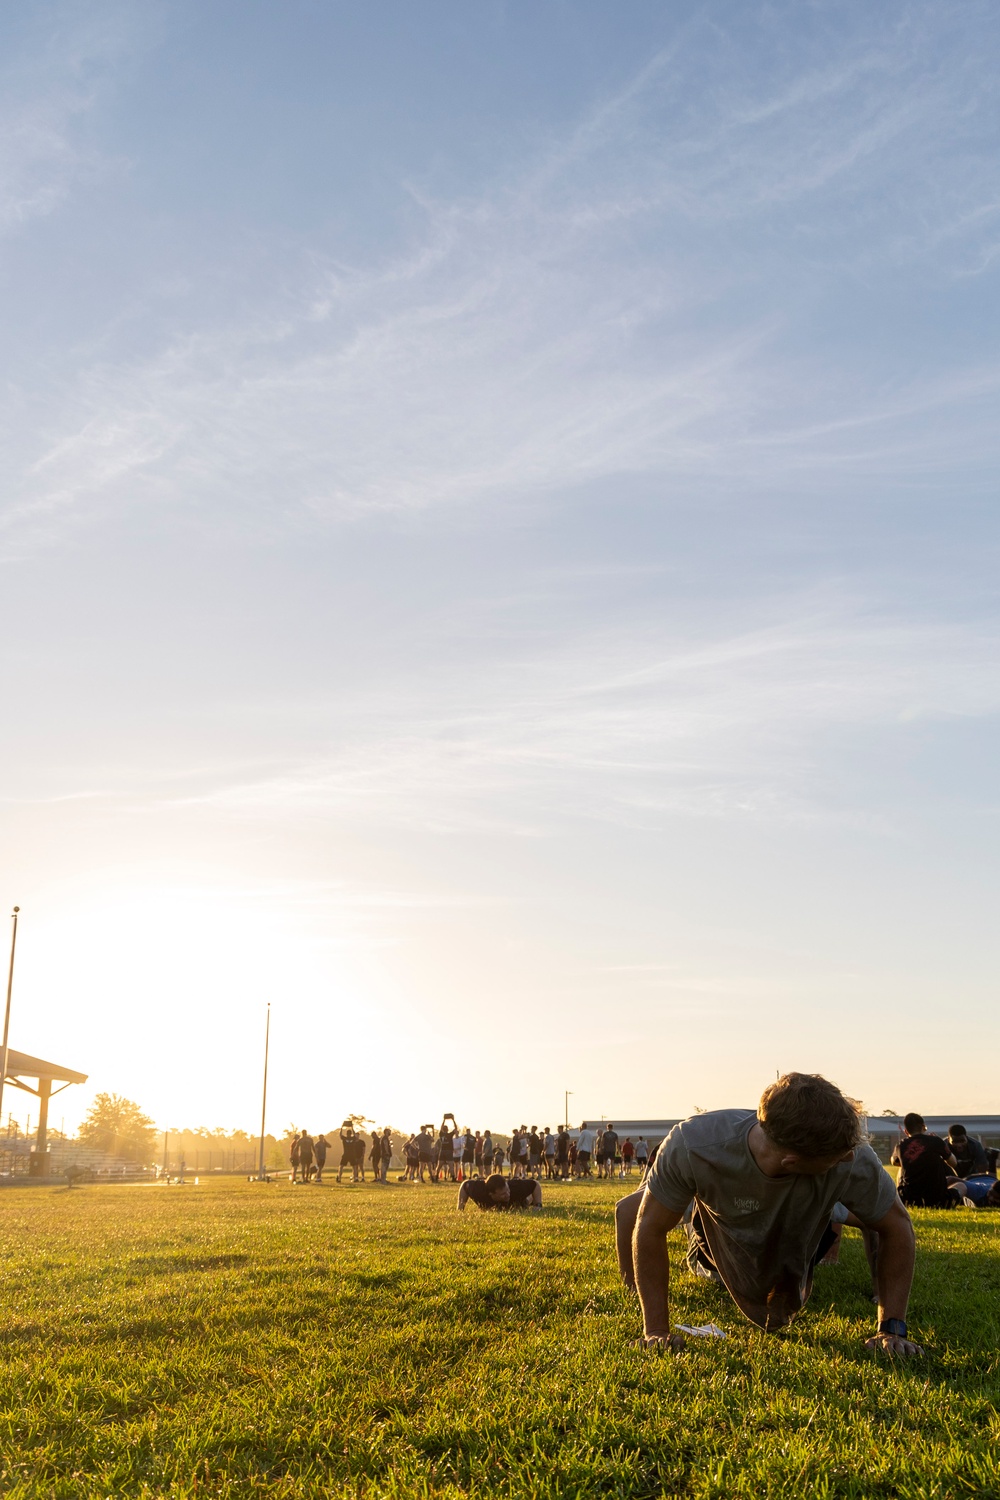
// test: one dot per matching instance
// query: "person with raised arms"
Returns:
(758, 1193)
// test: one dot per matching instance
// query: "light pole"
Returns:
(263, 1102)
(566, 1094)
(6, 1017)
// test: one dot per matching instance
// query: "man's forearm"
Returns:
(896, 1256)
(652, 1277)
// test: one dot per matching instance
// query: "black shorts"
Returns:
(583, 1158)
(698, 1246)
(827, 1240)
(920, 1200)
(468, 1158)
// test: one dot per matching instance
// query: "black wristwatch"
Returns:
(894, 1326)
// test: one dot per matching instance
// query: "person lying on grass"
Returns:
(763, 1191)
(501, 1192)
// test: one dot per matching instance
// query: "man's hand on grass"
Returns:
(663, 1343)
(891, 1343)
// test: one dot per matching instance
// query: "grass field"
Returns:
(243, 1340)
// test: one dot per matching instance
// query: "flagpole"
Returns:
(263, 1102)
(6, 1018)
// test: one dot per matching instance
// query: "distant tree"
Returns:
(118, 1125)
(890, 1114)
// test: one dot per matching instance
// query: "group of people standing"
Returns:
(307, 1155)
(611, 1154)
(453, 1155)
(449, 1154)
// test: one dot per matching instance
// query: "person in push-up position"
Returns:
(501, 1192)
(759, 1194)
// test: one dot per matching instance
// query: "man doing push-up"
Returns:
(760, 1194)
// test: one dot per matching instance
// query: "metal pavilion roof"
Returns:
(23, 1065)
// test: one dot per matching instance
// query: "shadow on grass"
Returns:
(580, 1213)
(166, 1265)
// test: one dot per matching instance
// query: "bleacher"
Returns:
(65, 1156)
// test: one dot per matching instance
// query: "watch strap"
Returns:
(894, 1326)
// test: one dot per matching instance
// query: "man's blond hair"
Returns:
(807, 1114)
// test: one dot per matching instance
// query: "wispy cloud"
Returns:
(588, 318)
(635, 730)
(49, 85)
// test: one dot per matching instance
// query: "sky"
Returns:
(498, 554)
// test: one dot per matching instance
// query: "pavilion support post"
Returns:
(39, 1161)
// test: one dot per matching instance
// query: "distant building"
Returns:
(653, 1130)
(883, 1130)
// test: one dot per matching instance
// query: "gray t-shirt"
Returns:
(761, 1232)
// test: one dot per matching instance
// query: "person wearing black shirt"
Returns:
(425, 1151)
(444, 1152)
(500, 1192)
(926, 1168)
(970, 1157)
(347, 1156)
(607, 1150)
